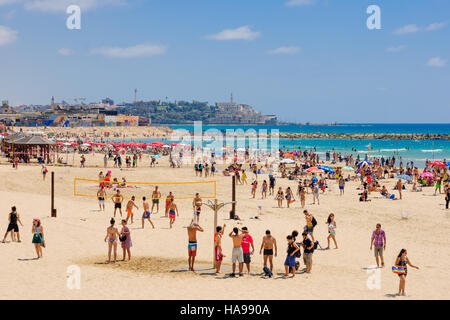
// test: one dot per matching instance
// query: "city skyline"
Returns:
(303, 60)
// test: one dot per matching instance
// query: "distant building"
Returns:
(108, 101)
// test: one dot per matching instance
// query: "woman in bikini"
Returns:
(331, 230)
(264, 190)
(289, 196)
(402, 262)
(112, 234)
(280, 197)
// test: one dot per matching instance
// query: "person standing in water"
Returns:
(13, 227)
(192, 245)
(146, 214)
(112, 234)
(402, 262)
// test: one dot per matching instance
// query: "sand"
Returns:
(159, 256)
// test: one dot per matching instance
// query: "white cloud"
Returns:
(241, 33)
(298, 3)
(2, 2)
(396, 48)
(61, 5)
(437, 62)
(436, 26)
(285, 50)
(65, 51)
(410, 28)
(7, 35)
(141, 50)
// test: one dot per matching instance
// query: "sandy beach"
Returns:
(159, 256)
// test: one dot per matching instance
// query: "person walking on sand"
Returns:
(13, 227)
(168, 199)
(197, 205)
(237, 253)
(172, 209)
(247, 241)
(44, 172)
(130, 205)
(101, 195)
(117, 199)
(218, 256)
(402, 262)
(308, 249)
(303, 197)
(146, 214)
(125, 239)
(280, 197)
(192, 245)
(399, 188)
(310, 224)
(341, 185)
(447, 195)
(38, 237)
(268, 244)
(378, 241)
(290, 258)
(112, 234)
(331, 230)
(156, 195)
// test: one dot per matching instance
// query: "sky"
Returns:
(303, 60)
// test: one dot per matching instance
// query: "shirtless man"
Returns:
(155, 199)
(197, 205)
(399, 188)
(101, 195)
(172, 209)
(146, 214)
(192, 246)
(309, 228)
(218, 257)
(268, 244)
(130, 205)
(237, 254)
(117, 199)
(112, 234)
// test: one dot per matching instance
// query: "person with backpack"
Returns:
(308, 249)
(290, 258)
(311, 222)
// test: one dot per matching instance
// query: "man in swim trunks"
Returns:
(341, 185)
(130, 205)
(168, 198)
(13, 227)
(146, 214)
(197, 205)
(268, 243)
(237, 254)
(117, 199)
(172, 209)
(101, 195)
(218, 257)
(192, 245)
(155, 199)
(309, 228)
(378, 241)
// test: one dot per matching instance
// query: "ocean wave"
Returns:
(392, 150)
(432, 150)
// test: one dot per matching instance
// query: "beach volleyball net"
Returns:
(180, 190)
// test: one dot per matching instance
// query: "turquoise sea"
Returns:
(410, 150)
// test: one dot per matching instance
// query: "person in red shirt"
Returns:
(247, 241)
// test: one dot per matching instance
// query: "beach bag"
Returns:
(267, 272)
(298, 254)
(314, 222)
(123, 238)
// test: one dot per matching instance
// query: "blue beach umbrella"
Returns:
(327, 169)
(448, 164)
(364, 162)
(404, 177)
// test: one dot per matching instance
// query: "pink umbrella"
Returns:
(426, 175)
(315, 170)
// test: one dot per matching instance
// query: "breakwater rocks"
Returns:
(364, 136)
